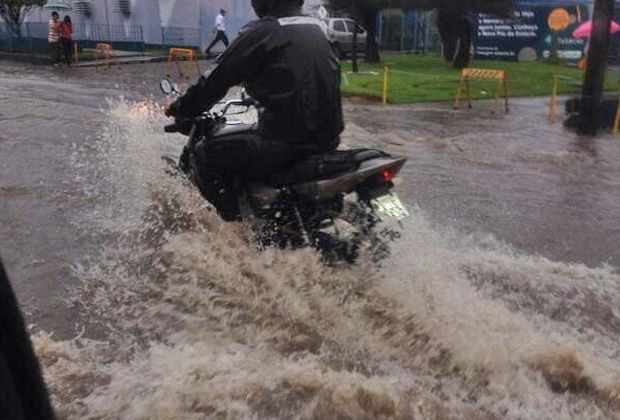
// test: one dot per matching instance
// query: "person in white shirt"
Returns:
(220, 30)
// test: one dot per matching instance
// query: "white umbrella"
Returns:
(58, 5)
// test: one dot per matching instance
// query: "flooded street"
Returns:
(499, 301)
(531, 184)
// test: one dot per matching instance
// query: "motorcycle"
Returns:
(333, 202)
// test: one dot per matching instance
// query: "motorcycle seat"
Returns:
(323, 166)
(363, 155)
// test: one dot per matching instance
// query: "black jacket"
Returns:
(289, 66)
(23, 394)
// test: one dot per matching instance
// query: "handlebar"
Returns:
(185, 126)
(172, 128)
(178, 128)
(238, 102)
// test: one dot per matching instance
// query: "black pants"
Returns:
(67, 45)
(462, 57)
(221, 36)
(55, 52)
(241, 153)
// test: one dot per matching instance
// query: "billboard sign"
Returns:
(533, 33)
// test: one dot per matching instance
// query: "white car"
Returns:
(340, 31)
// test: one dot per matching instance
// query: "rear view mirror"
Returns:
(166, 86)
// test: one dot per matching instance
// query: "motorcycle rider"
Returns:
(288, 65)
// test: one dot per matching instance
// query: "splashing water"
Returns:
(190, 320)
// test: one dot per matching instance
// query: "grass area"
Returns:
(416, 78)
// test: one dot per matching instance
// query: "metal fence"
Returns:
(411, 31)
(180, 37)
(131, 34)
(12, 38)
(32, 37)
(404, 31)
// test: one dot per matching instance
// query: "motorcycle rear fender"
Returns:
(369, 170)
(264, 195)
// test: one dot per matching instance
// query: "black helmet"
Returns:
(264, 7)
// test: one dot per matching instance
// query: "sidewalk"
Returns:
(118, 58)
(130, 59)
(133, 60)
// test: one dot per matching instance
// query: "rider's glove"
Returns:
(172, 110)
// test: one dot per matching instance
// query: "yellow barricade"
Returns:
(468, 74)
(386, 86)
(188, 54)
(553, 106)
(614, 129)
(555, 83)
(104, 52)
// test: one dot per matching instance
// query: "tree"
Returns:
(14, 11)
(455, 28)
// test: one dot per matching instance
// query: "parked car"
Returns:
(340, 31)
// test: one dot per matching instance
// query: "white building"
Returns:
(152, 15)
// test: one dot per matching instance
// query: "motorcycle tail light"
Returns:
(387, 175)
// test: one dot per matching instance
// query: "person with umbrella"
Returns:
(54, 34)
(585, 31)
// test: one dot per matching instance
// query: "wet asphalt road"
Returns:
(532, 185)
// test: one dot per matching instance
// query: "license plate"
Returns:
(389, 205)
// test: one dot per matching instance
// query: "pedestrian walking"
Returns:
(53, 38)
(220, 31)
(66, 34)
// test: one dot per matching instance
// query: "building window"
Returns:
(123, 6)
(83, 6)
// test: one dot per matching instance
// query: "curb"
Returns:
(113, 62)
(24, 58)
(122, 61)
(30, 59)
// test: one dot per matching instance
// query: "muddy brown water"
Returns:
(500, 300)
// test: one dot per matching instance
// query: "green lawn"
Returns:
(427, 78)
